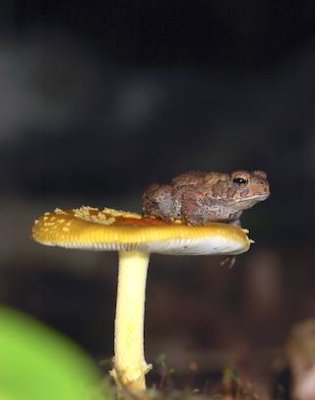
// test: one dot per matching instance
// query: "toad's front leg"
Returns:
(198, 208)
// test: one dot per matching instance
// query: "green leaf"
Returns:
(39, 364)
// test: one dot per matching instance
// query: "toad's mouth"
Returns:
(262, 196)
(257, 197)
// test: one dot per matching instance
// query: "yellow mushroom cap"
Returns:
(108, 229)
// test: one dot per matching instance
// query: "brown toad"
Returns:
(202, 197)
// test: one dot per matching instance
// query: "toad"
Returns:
(198, 198)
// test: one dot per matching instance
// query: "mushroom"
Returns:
(134, 237)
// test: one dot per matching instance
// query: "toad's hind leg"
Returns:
(158, 201)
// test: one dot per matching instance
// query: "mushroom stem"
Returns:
(130, 366)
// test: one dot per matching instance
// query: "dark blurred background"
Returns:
(98, 100)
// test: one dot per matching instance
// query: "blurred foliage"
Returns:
(37, 363)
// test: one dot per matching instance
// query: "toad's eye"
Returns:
(240, 181)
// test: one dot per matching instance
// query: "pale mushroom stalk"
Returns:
(130, 366)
